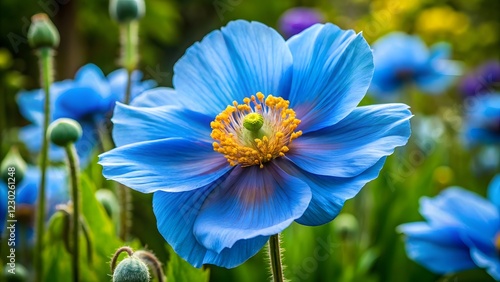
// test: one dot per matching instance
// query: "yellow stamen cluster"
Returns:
(242, 146)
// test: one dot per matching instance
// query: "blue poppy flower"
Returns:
(482, 121)
(402, 59)
(88, 99)
(26, 194)
(220, 189)
(295, 20)
(462, 231)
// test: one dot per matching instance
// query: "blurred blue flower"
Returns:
(26, 194)
(88, 99)
(462, 231)
(402, 59)
(295, 20)
(485, 79)
(220, 190)
(482, 121)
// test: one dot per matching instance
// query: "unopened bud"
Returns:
(13, 167)
(131, 269)
(64, 131)
(42, 32)
(126, 10)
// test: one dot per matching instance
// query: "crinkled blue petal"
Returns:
(171, 165)
(490, 262)
(158, 123)
(176, 213)
(439, 249)
(250, 202)
(460, 208)
(494, 191)
(332, 69)
(118, 82)
(240, 60)
(354, 144)
(92, 76)
(79, 102)
(328, 193)
(397, 57)
(439, 73)
(160, 96)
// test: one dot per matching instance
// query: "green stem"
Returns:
(45, 56)
(275, 258)
(129, 41)
(75, 189)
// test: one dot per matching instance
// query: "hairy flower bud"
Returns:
(64, 131)
(13, 167)
(126, 10)
(131, 269)
(42, 32)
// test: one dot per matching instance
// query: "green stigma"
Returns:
(253, 121)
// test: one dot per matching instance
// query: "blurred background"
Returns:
(362, 243)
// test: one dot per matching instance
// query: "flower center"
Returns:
(256, 131)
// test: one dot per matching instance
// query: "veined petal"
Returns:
(332, 70)
(481, 219)
(354, 144)
(158, 123)
(171, 165)
(176, 213)
(240, 60)
(250, 202)
(328, 193)
(438, 249)
(160, 96)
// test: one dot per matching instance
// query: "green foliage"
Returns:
(178, 270)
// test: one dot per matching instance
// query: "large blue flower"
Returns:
(462, 231)
(482, 121)
(88, 98)
(220, 190)
(26, 194)
(402, 59)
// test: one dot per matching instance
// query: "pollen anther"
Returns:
(245, 147)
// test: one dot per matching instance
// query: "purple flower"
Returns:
(485, 79)
(295, 20)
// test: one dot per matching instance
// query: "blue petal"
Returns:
(176, 214)
(328, 193)
(158, 123)
(480, 219)
(171, 165)
(438, 249)
(86, 144)
(91, 75)
(31, 135)
(494, 191)
(354, 144)
(160, 96)
(79, 102)
(252, 202)
(240, 60)
(332, 69)
(490, 262)
(118, 82)
(392, 54)
(31, 105)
